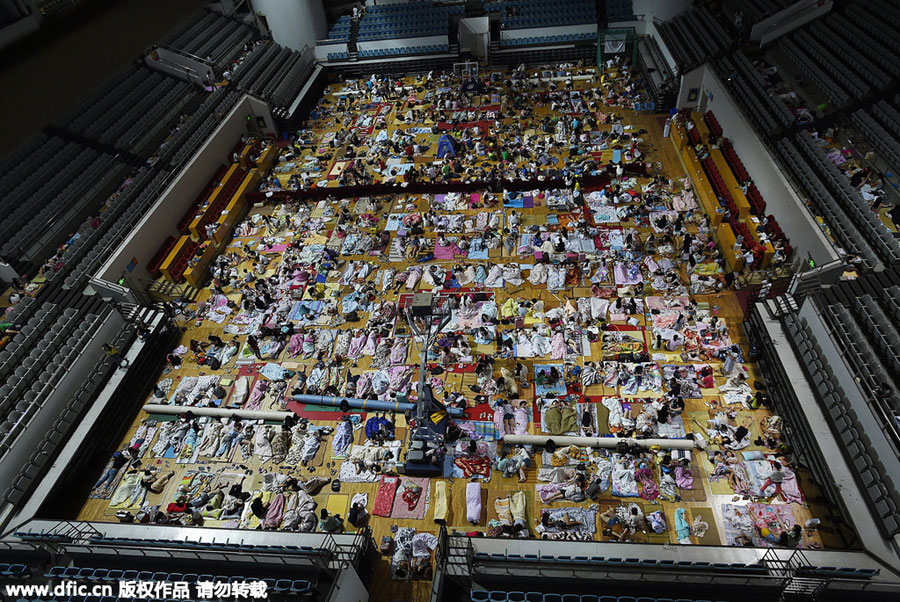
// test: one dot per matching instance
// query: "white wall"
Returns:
(781, 200)
(321, 52)
(691, 79)
(294, 23)
(474, 35)
(401, 42)
(349, 587)
(261, 109)
(162, 219)
(511, 34)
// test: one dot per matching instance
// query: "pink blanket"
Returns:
(448, 252)
(790, 488)
(256, 395)
(401, 507)
(296, 346)
(683, 478)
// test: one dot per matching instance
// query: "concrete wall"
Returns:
(781, 199)
(294, 23)
(321, 52)
(691, 79)
(261, 109)
(474, 35)
(180, 66)
(400, 43)
(162, 219)
(512, 34)
(789, 19)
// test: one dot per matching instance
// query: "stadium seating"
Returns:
(526, 14)
(394, 21)
(209, 36)
(551, 39)
(403, 51)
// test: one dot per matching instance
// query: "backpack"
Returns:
(387, 545)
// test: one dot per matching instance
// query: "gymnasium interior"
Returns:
(425, 300)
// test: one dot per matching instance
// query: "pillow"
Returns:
(753, 455)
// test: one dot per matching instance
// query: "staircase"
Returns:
(352, 50)
(163, 290)
(796, 588)
(459, 554)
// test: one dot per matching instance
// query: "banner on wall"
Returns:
(614, 43)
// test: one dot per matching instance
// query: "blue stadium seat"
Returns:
(480, 595)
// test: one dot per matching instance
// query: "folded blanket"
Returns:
(473, 502)
(501, 506)
(441, 501)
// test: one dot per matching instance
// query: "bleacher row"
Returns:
(260, 68)
(283, 87)
(318, 553)
(105, 575)
(694, 36)
(555, 39)
(542, 13)
(210, 37)
(885, 338)
(130, 110)
(813, 72)
(862, 451)
(761, 9)
(619, 562)
(824, 66)
(46, 447)
(843, 48)
(768, 111)
(619, 9)
(199, 127)
(884, 143)
(43, 205)
(845, 232)
(403, 50)
(117, 220)
(879, 20)
(340, 31)
(851, 202)
(405, 21)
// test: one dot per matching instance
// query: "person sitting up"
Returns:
(330, 523)
(358, 516)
